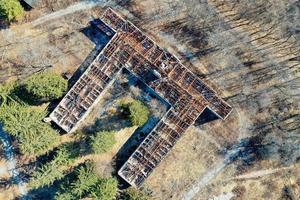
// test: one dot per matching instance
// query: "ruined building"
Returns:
(130, 48)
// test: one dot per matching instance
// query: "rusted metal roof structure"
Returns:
(130, 48)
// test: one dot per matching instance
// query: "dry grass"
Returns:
(9, 193)
(192, 156)
(4, 173)
(265, 187)
(103, 161)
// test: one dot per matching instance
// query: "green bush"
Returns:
(11, 10)
(25, 124)
(133, 194)
(106, 189)
(103, 141)
(45, 86)
(137, 112)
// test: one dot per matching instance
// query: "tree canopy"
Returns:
(53, 170)
(137, 112)
(88, 184)
(11, 10)
(25, 124)
(106, 188)
(85, 180)
(103, 141)
(45, 86)
(6, 93)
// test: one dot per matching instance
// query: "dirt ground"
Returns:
(10, 191)
(249, 53)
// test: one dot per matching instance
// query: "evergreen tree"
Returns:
(6, 91)
(137, 112)
(87, 184)
(106, 189)
(45, 86)
(103, 141)
(65, 196)
(11, 10)
(25, 124)
(52, 171)
(85, 180)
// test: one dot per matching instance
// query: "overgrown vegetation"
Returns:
(88, 184)
(137, 112)
(45, 86)
(54, 170)
(103, 141)
(36, 138)
(11, 10)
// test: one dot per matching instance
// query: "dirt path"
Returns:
(11, 161)
(226, 196)
(84, 5)
(260, 173)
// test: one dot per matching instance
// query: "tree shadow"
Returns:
(114, 122)
(249, 151)
(25, 170)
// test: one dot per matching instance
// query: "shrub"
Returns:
(103, 141)
(45, 86)
(106, 189)
(137, 112)
(11, 10)
(133, 194)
